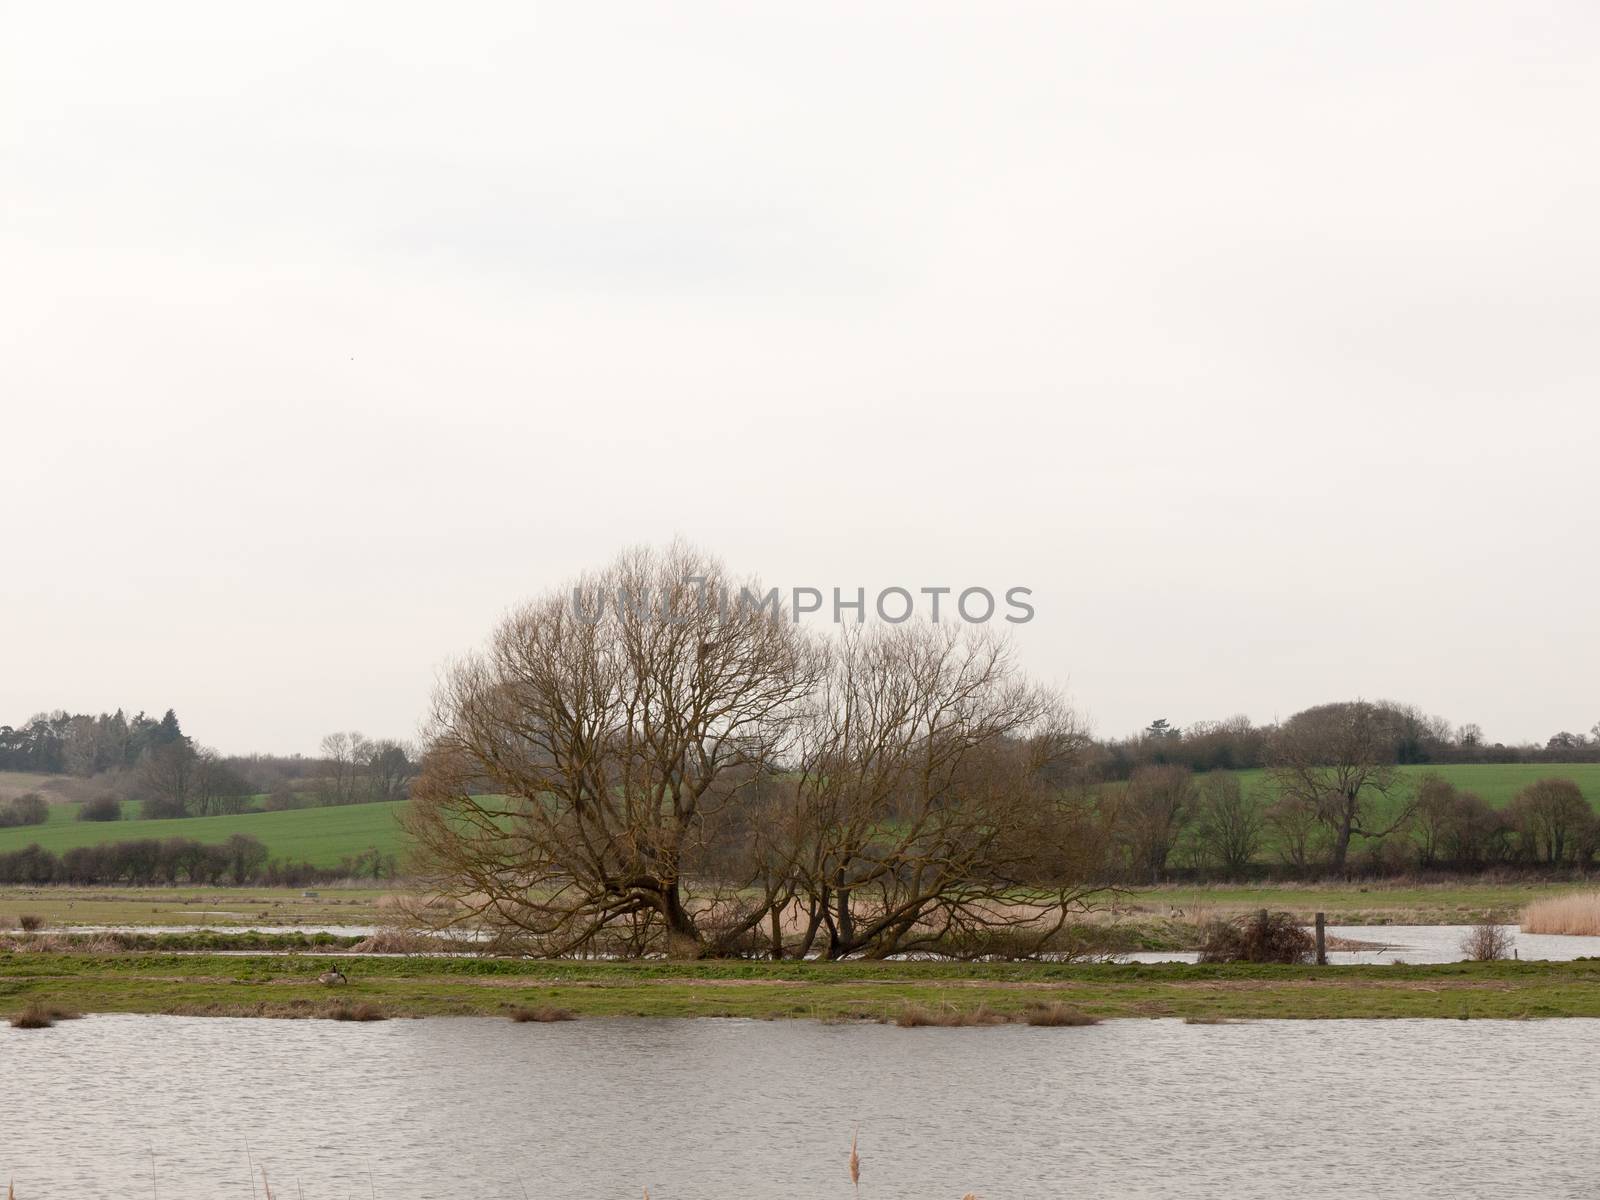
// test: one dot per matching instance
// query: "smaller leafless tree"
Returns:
(1230, 824)
(1488, 941)
(1158, 804)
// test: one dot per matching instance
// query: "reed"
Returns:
(1578, 913)
(913, 1016)
(356, 1012)
(1058, 1014)
(37, 1015)
(541, 1013)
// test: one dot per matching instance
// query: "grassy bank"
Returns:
(276, 986)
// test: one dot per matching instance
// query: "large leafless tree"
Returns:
(924, 811)
(650, 768)
(587, 771)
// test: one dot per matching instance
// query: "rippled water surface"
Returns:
(473, 1109)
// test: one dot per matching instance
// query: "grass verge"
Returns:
(279, 986)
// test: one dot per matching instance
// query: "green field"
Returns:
(320, 836)
(323, 836)
(1497, 783)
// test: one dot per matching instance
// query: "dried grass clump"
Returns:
(356, 1012)
(1262, 938)
(914, 1016)
(1058, 1014)
(41, 1016)
(396, 941)
(541, 1013)
(1578, 914)
(1487, 942)
(29, 922)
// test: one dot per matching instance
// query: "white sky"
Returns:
(1258, 339)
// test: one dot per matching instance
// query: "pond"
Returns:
(476, 1109)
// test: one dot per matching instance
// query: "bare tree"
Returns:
(1552, 819)
(346, 756)
(586, 768)
(1158, 804)
(389, 769)
(1336, 758)
(1295, 828)
(216, 787)
(924, 812)
(1229, 823)
(166, 777)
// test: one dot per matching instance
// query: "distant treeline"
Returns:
(63, 743)
(153, 761)
(241, 859)
(1413, 737)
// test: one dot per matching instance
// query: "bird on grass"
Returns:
(331, 977)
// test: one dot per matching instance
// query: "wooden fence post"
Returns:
(1322, 939)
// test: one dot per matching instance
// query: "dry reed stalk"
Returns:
(855, 1162)
(1059, 1014)
(356, 1012)
(542, 1013)
(1578, 913)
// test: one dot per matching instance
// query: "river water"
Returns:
(476, 1109)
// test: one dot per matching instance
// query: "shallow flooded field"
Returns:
(473, 1109)
(1421, 944)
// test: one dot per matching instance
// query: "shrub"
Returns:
(102, 808)
(29, 922)
(1262, 938)
(27, 809)
(1487, 942)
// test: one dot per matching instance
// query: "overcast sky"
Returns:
(1260, 340)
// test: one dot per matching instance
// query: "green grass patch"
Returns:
(286, 986)
(320, 836)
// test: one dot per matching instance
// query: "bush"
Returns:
(1262, 938)
(1487, 942)
(29, 922)
(102, 808)
(27, 809)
